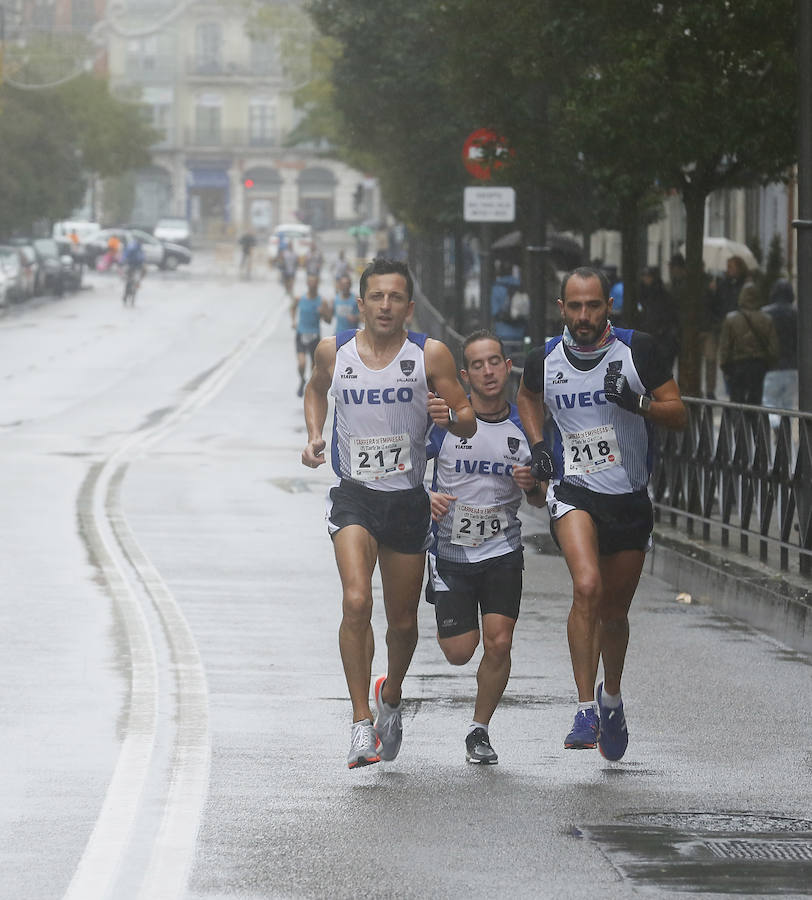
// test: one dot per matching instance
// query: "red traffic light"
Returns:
(249, 182)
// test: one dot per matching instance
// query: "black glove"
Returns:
(617, 390)
(541, 462)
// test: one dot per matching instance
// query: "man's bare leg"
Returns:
(578, 537)
(402, 578)
(620, 574)
(356, 553)
(494, 667)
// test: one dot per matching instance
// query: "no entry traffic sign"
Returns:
(485, 152)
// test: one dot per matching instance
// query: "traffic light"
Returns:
(249, 182)
(358, 197)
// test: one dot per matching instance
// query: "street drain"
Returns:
(753, 854)
(787, 850)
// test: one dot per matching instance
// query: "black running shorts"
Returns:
(460, 592)
(624, 521)
(400, 520)
(307, 343)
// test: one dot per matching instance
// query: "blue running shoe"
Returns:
(614, 737)
(584, 734)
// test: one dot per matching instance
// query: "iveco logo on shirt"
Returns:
(482, 467)
(376, 396)
(584, 398)
(559, 378)
(407, 366)
(348, 373)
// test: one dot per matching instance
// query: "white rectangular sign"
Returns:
(489, 204)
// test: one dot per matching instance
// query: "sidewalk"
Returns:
(778, 604)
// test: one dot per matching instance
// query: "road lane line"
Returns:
(99, 865)
(115, 547)
(174, 847)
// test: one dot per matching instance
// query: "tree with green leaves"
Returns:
(51, 139)
(606, 106)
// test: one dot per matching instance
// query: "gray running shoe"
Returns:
(478, 748)
(363, 745)
(388, 723)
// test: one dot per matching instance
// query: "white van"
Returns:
(300, 237)
(84, 230)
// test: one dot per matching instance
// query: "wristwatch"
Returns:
(452, 417)
(643, 404)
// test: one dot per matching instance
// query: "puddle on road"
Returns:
(733, 852)
(296, 485)
(542, 543)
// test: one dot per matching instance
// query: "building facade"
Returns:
(223, 104)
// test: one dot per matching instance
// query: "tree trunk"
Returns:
(457, 319)
(630, 258)
(690, 375)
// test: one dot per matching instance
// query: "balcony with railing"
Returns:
(229, 138)
(208, 68)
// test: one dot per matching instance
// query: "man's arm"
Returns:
(531, 412)
(315, 402)
(449, 395)
(294, 305)
(534, 491)
(667, 408)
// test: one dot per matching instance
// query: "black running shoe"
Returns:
(478, 748)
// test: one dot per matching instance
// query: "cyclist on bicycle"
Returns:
(134, 268)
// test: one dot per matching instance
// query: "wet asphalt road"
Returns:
(173, 707)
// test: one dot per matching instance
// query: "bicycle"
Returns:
(131, 284)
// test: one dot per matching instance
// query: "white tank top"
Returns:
(597, 444)
(381, 416)
(482, 523)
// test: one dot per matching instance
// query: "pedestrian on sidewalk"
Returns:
(476, 560)
(603, 388)
(386, 383)
(748, 347)
(781, 382)
(247, 243)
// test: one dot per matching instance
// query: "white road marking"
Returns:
(120, 559)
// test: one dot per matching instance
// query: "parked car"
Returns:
(300, 237)
(13, 270)
(4, 297)
(163, 254)
(31, 264)
(60, 271)
(28, 270)
(176, 231)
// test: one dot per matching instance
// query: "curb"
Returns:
(766, 599)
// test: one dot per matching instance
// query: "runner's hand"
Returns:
(313, 454)
(541, 462)
(440, 504)
(617, 390)
(438, 410)
(524, 477)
